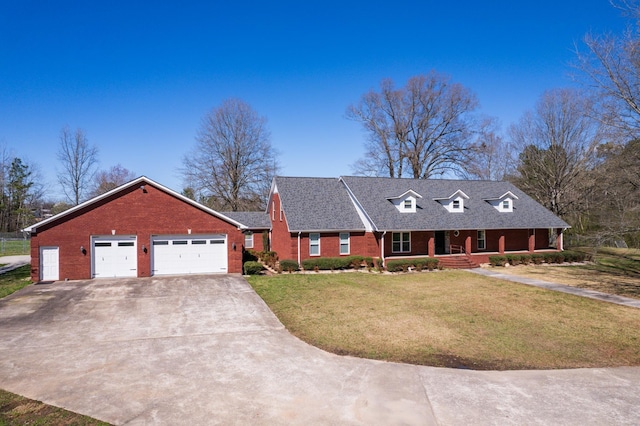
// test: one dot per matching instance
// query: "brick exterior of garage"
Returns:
(130, 210)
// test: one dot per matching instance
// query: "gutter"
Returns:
(382, 248)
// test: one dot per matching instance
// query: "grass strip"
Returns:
(18, 410)
(13, 281)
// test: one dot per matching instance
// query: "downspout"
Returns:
(382, 248)
(299, 265)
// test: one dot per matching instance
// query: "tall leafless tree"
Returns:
(557, 142)
(78, 160)
(490, 157)
(609, 66)
(106, 180)
(420, 130)
(233, 162)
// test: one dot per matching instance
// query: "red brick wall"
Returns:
(283, 242)
(361, 243)
(131, 212)
(516, 239)
(419, 244)
(542, 238)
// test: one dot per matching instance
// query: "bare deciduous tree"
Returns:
(78, 160)
(557, 143)
(106, 180)
(610, 67)
(615, 196)
(490, 157)
(233, 162)
(420, 130)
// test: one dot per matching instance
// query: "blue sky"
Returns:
(139, 76)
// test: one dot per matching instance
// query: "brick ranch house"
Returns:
(142, 228)
(398, 218)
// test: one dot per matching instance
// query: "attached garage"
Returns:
(188, 254)
(139, 229)
(114, 257)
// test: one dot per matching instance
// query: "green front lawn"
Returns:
(452, 319)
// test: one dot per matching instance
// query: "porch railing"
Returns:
(453, 248)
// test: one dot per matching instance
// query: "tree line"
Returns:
(577, 151)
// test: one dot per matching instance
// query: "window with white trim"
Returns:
(344, 243)
(314, 244)
(248, 240)
(401, 242)
(506, 205)
(273, 210)
(281, 212)
(408, 204)
(482, 240)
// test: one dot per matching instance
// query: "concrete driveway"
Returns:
(207, 350)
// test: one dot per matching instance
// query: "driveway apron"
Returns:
(207, 350)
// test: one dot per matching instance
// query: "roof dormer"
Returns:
(503, 203)
(455, 202)
(406, 202)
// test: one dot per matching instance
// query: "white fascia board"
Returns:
(503, 196)
(369, 226)
(458, 192)
(406, 194)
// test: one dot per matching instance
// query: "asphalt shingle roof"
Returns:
(252, 220)
(317, 204)
(373, 193)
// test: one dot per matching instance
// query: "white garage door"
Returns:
(114, 257)
(189, 254)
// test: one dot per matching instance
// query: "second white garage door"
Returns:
(114, 257)
(188, 254)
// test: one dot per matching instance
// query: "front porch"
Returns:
(470, 248)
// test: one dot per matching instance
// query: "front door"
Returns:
(442, 242)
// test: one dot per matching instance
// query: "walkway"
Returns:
(13, 262)
(592, 294)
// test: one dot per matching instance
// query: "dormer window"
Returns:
(455, 202)
(503, 203)
(406, 202)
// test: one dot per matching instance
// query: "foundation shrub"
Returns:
(288, 265)
(537, 258)
(325, 263)
(419, 264)
(513, 259)
(498, 260)
(252, 268)
(249, 256)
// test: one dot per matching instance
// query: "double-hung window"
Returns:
(248, 240)
(401, 242)
(482, 240)
(314, 244)
(344, 243)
